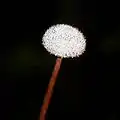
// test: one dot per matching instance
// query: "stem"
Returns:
(49, 92)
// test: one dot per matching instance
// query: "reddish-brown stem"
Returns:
(49, 92)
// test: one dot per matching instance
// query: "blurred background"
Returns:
(87, 87)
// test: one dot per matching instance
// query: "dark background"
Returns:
(87, 87)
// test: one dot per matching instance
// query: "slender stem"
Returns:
(49, 92)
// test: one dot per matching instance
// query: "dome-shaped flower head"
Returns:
(64, 41)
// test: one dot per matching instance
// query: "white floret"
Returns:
(64, 41)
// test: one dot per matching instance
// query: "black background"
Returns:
(87, 87)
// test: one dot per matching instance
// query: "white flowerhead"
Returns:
(64, 41)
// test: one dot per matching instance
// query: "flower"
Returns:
(64, 41)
